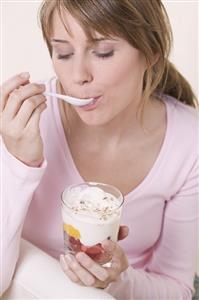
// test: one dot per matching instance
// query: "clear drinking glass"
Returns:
(91, 213)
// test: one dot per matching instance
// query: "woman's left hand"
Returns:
(83, 270)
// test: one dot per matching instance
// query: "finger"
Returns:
(9, 85)
(123, 232)
(119, 261)
(109, 246)
(98, 271)
(68, 271)
(115, 251)
(18, 96)
(27, 109)
(79, 271)
(34, 120)
(116, 263)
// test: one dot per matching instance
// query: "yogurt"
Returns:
(91, 213)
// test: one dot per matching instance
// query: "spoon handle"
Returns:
(71, 100)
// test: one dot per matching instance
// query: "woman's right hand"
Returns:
(21, 106)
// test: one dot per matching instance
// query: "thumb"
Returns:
(116, 252)
(123, 232)
(109, 246)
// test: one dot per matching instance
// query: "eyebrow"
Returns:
(95, 40)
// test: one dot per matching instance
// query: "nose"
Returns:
(82, 73)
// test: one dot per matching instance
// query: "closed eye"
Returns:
(65, 56)
(104, 55)
(98, 54)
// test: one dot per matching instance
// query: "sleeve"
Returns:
(170, 272)
(18, 183)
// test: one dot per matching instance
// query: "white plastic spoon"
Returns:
(71, 100)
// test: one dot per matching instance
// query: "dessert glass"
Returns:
(91, 213)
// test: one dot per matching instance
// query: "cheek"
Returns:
(58, 67)
(62, 74)
(123, 75)
(118, 76)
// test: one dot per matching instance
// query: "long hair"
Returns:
(143, 24)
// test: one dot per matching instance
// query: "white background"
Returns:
(23, 49)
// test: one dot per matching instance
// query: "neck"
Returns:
(132, 122)
(127, 124)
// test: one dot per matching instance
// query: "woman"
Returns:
(139, 135)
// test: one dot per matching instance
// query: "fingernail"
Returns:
(61, 258)
(82, 257)
(62, 262)
(25, 75)
(127, 229)
(69, 258)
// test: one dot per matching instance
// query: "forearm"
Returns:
(18, 183)
(10, 243)
(12, 219)
(156, 286)
(142, 285)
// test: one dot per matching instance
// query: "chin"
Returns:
(93, 120)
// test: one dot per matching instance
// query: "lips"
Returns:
(92, 105)
(85, 97)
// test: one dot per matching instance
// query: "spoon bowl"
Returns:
(69, 99)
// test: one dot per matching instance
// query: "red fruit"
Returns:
(84, 248)
(73, 240)
(94, 250)
(101, 258)
(74, 244)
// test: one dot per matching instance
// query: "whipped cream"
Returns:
(93, 213)
(93, 201)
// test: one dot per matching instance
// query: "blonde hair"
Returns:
(144, 24)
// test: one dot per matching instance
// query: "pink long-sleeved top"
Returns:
(161, 213)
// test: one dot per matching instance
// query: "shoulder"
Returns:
(182, 129)
(182, 110)
(184, 119)
(182, 156)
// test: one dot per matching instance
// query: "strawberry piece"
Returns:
(75, 244)
(73, 240)
(84, 248)
(94, 250)
(102, 258)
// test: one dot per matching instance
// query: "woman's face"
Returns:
(110, 70)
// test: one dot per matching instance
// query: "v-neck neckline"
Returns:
(70, 162)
